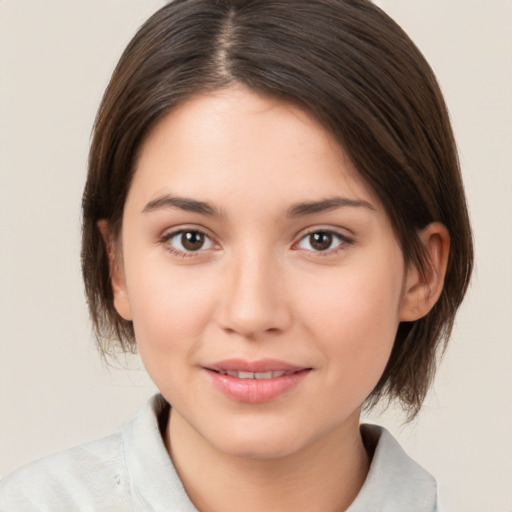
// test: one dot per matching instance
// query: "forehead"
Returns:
(234, 139)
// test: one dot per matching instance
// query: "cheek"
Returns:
(169, 308)
(355, 316)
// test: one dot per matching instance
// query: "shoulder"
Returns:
(395, 482)
(130, 470)
(75, 479)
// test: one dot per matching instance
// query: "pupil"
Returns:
(321, 241)
(192, 240)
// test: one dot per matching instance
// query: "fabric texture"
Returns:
(132, 471)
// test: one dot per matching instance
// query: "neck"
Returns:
(324, 476)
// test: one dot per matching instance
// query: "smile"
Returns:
(255, 382)
(238, 374)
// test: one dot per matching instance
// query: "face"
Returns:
(263, 278)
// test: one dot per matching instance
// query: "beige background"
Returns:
(56, 58)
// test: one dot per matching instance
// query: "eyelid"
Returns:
(346, 240)
(170, 233)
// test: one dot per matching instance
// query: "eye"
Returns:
(187, 241)
(321, 241)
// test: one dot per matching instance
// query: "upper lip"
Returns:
(259, 366)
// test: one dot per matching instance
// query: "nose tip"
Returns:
(249, 324)
(254, 303)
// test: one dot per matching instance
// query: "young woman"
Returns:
(274, 218)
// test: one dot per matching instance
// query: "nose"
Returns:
(254, 303)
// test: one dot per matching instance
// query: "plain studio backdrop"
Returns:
(56, 59)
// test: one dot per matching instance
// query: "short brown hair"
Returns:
(349, 65)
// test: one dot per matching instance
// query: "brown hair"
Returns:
(357, 73)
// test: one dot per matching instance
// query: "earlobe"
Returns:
(117, 278)
(423, 288)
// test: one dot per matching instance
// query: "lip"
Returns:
(254, 390)
(261, 365)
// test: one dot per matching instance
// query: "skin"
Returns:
(258, 289)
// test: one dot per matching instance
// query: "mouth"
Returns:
(258, 381)
(261, 369)
(240, 374)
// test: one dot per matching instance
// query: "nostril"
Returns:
(251, 306)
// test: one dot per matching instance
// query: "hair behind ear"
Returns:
(426, 322)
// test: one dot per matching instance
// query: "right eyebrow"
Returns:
(181, 203)
(332, 203)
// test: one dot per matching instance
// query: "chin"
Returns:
(265, 442)
(259, 448)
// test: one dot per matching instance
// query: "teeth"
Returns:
(263, 375)
(253, 375)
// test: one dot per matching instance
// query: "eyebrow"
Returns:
(332, 203)
(182, 203)
(296, 210)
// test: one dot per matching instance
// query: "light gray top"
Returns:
(132, 471)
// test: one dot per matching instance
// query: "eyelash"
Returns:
(166, 241)
(343, 242)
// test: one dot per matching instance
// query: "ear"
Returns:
(422, 289)
(117, 277)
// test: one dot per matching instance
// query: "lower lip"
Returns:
(256, 391)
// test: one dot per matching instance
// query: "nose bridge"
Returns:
(253, 303)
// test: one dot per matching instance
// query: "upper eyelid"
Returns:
(170, 232)
(324, 229)
(165, 241)
(345, 242)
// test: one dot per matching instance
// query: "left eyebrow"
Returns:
(181, 203)
(332, 203)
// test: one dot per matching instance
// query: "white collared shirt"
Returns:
(132, 471)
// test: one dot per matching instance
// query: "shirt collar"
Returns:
(395, 483)
(155, 484)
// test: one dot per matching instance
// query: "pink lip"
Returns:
(255, 391)
(262, 365)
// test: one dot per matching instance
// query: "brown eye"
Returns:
(192, 240)
(184, 242)
(321, 241)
